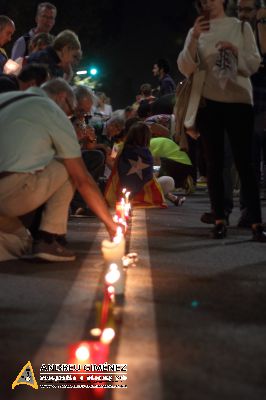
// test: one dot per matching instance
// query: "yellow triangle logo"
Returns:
(26, 377)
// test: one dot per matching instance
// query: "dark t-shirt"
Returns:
(49, 57)
(167, 85)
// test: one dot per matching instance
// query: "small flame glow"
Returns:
(116, 218)
(127, 197)
(107, 335)
(95, 332)
(82, 353)
(112, 275)
(119, 234)
(126, 261)
(111, 290)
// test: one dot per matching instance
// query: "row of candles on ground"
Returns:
(97, 351)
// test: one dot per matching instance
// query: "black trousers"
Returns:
(237, 120)
(95, 162)
(176, 170)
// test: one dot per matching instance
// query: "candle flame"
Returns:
(116, 218)
(82, 353)
(112, 275)
(111, 290)
(113, 267)
(119, 235)
(107, 335)
(95, 332)
(127, 197)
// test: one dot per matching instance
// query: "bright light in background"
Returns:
(82, 72)
(93, 71)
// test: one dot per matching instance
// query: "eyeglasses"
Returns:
(245, 9)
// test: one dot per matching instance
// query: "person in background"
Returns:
(173, 161)
(103, 108)
(32, 75)
(7, 29)
(227, 103)
(129, 112)
(133, 169)
(8, 83)
(161, 70)
(60, 56)
(93, 157)
(40, 42)
(45, 20)
(146, 93)
(254, 12)
(107, 130)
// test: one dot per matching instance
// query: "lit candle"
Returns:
(87, 352)
(127, 194)
(108, 335)
(127, 206)
(113, 252)
(120, 208)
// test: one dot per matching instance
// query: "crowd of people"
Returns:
(65, 152)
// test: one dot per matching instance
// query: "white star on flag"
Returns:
(137, 167)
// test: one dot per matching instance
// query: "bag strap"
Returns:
(22, 96)
(27, 39)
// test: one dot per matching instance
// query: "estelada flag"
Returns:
(133, 170)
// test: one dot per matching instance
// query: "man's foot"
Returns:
(219, 231)
(259, 234)
(52, 251)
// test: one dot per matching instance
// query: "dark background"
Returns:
(123, 38)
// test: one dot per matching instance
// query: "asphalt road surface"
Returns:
(192, 324)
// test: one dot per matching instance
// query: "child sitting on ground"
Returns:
(133, 170)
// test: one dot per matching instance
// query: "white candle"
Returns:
(113, 252)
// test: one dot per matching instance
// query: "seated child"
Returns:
(133, 170)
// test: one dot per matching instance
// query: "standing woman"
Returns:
(227, 103)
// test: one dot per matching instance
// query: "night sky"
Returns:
(121, 37)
